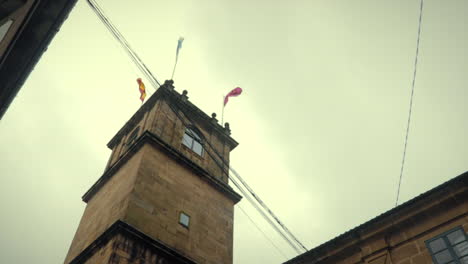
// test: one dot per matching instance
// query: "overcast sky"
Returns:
(321, 122)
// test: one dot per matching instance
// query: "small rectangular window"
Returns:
(184, 219)
(461, 249)
(187, 140)
(437, 245)
(197, 148)
(449, 247)
(443, 257)
(133, 137)
(193, 141)
(456, 236)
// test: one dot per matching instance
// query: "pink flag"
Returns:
(235, 92)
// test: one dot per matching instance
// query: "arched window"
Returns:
(193, 141)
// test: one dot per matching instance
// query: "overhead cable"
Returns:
(223, 166)
(257, 198)
(411, 101)
(263, 214)
(142, 67)
(124, 43)
(261, 231)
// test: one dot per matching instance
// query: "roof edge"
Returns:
(456, 182)
(148, 137)
(121, 227)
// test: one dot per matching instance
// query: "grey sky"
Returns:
(321, 122)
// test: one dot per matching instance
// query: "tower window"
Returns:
(193, 141)
(133, 136)
(184, 219)
(450, 247)
(4, 28)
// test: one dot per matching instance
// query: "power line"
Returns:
(263, 233)
(100, 13)
(234, 181)
(256, 197)
(411, 101)
(121, 39)
(262, 213)
(126, 45)
(142, 67)
(223, 169)
(265, 216)
(266, 208)
(259, 201)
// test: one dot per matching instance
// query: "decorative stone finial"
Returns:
(168, 84)
(184, 95)
(213, 118)
(227, 128)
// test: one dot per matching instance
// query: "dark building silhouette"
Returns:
(26, 29)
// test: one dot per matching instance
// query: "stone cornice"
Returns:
(388, 222)
(120, 227)
(148, 137)
(166, 92)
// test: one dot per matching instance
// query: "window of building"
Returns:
(184, 219)
(450, 247)
(133, 136)
(193, 141)
(4, 28)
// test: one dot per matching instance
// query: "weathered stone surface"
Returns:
(164, 123)
(149, 182)
(405, 251)
(383, 259)
(125, 247)
(422, 258)
(107, 206)
(170, 189)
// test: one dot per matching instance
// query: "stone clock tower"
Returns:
(164, 195)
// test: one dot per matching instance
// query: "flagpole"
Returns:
(222, 113)
(173, 70)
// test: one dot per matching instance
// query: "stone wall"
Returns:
(165, 124)
(399, 236)
(150, 181)
(149, 191)
(163, 189)
(128, 250)
(125, 248)
(107, 206)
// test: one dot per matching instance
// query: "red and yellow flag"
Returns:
(141, 87)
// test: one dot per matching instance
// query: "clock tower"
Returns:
(164, 195)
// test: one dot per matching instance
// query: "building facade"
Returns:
(164, 195)
(430, 228)
(26, 29)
